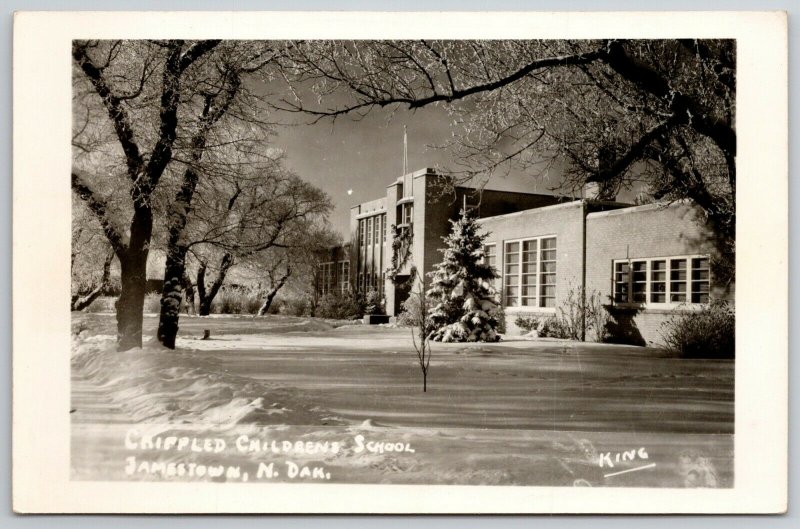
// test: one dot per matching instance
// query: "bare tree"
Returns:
(258, 209)
(143, 110)
(417, 314)
(89, 247)
(651, 114)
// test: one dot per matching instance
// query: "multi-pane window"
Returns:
(547, 273)
(663, 280)
(327, 277)
(639, 281)
(344, 276)
(408, 213)
(529, 273)
(362, 231)
(372, 230)
(677, 281)
(700, 279)
(658, 281)
(490, 258)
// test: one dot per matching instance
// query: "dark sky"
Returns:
(367, 155)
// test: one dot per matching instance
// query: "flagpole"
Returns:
(405, 150)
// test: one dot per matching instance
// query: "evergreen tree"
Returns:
(461, 291)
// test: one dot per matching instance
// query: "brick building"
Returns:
(645, 262)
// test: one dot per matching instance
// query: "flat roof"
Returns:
(551, 207)
(639, 209)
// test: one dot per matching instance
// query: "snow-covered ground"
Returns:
(346, 402)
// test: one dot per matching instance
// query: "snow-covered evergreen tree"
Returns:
(461, 289)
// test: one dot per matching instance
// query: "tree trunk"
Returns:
(207, 296)
(133, 276)
(172, 295)
(188, 289)
(273, 292)
(130, 304)
(82, 301)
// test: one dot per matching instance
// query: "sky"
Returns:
(366, 155)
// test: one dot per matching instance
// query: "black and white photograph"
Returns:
(495, 262)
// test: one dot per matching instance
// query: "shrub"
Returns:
(569, 320)
(500, 316)
(374, 303)
(341, 306)
(545, 326)
(236, 300)
(152, 303)
(292, 306)
(709, 332)
(412, 311)
(102, 304)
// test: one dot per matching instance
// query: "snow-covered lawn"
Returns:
(513, 412)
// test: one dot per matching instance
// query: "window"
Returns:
(490, 258)
(369, 230)
(547, 274)
(662, 280)
(383, 227)
(530, 273)
(408, 213)
(700, 280)
(344, 276)
(327, 277)
(362, 232)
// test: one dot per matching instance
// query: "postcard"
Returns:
(400, 262)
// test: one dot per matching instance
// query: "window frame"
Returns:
(503, 275)
(668, 303)
(494, 282)
(343, 275)
(327, 277)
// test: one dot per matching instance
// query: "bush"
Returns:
(237, 300)
(568, 321)
(545, 326)
(412, 314)
(102, 304)
(152, 303)
(709, 332)
(341, 306)
(500, 315)
(374, 303)
(292, 306)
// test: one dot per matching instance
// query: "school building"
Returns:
(645, 262)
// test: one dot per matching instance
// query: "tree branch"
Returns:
(99, 207)
(116, 112)
(648, 79)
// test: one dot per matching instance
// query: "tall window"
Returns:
(700, 280)
(547, 274)
(490, 258)
(369, 230)
(327, 277)
(408, 213)
(530, 273)
(344, 276)
(662, 280)
(383, 226)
